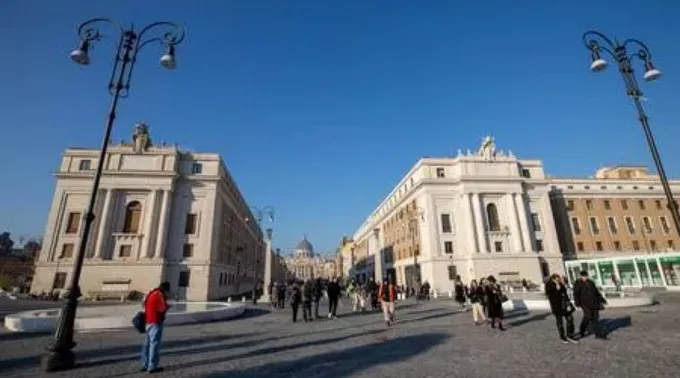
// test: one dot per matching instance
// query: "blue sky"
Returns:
(319, 107)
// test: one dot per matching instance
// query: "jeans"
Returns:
(316, 307)
(591, 323)
(332, 305)
(388, 311)
(560, 326)
(478, 312)
(307, 311)
(151, 348)
(295, 307)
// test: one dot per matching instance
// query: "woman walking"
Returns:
(561, 307)
(495, 297)
(476, 296)
(460, 294)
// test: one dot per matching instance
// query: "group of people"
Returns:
(485, 299)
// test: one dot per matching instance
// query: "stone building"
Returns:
(304, 264)
(161, 214)
(473, 215)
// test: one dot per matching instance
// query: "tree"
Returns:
(32, 247)
(6, 244)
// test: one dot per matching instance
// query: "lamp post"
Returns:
(260, 214)
(597, 43)
(413, 221)
(61, 356)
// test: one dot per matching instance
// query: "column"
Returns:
(163, 224)
(650, 279)
(470, 223)
(637, 272)
(379, 274)
(481, 232)
(267, 271)
(514, 224)
(660, 268)
(616, 272)
(150, 214)
(103, 233)
(600, 281)
(523, 223)
(550, 242)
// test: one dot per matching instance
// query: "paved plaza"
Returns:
(429, 340)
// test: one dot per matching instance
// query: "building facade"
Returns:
(162, 214)
(475, 215)
(344, 258)
(304, 264)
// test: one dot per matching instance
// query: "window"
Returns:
(446, 223)
(539, 245)
(66, 251)
(85, 165)
(133, 214)
(535, 222)
(658, 205)
(73, 223)
(624, 204)
(630, 224)
(440, 173)
(184, 278)
(125, 251)
(607, 205)
(498, 246)
(642, 204)
(190, 226)
(448, 247)
(647, 224)
(671, 245)
(617, 245)
(636, 245)
(653, 246)
(579, 246)
(188, 250)
(589, 204)
(570, 205)
(492, 217)
(594, 227)
(664, 225)
(612, 225)
(576, 226)
(59, 281)
(526, 173)
(196, 169)
(598, 245)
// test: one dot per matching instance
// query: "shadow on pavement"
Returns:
(612, 324)
(345, 362)
(428, 317)
(9, 336)
(532, 318)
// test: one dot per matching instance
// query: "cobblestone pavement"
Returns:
(429, 340)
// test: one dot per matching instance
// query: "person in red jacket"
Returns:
(387, 296)
(155, 308)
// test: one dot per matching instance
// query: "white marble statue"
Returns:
(488, 148)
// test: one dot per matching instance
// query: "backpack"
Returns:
(139, 321)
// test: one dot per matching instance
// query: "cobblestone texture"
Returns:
(429, 340)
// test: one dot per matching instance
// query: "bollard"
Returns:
(450, 294)
(229, 300)
(435, 295)
(243, 299)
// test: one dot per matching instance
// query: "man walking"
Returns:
(387, 295)
(317, 291)
(591, 301)
(155, 308)
(333, 291)
(561, 307)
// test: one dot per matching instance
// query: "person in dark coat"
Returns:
(317, 293)
(561, 307)
(307, 295)
(494, 297)
(295, 300)
(281, 295)
(589, 299)
(460, 294)
(334, 291)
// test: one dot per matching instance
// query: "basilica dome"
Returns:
(304, 248)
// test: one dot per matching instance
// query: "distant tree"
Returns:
(6, 244)
(32, 247)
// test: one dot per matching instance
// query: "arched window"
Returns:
(133, 214)
(492, 217)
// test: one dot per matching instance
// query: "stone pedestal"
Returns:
(268, 265)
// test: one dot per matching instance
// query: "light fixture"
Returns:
(598, 63)
(168, 60)
(651, 73)
(80, 55)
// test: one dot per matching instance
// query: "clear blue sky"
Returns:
(319, 107)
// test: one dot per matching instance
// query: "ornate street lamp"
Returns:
(260, 214)
(61, 356)
(597, 43)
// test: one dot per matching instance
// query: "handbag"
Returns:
(504, 298)
(139, 321)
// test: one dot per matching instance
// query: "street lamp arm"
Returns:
(88, 31)
(593, 41)
(643, 53)
(173, 36)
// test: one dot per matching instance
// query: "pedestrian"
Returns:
(476, 295)
(495, 299)
(281, 303)
(589, 299)
(460, 294)
(561, 307)
(317, 292)
(387, 296)
(295, 300)
(307, 295)
(333, 291)
(155, 308)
